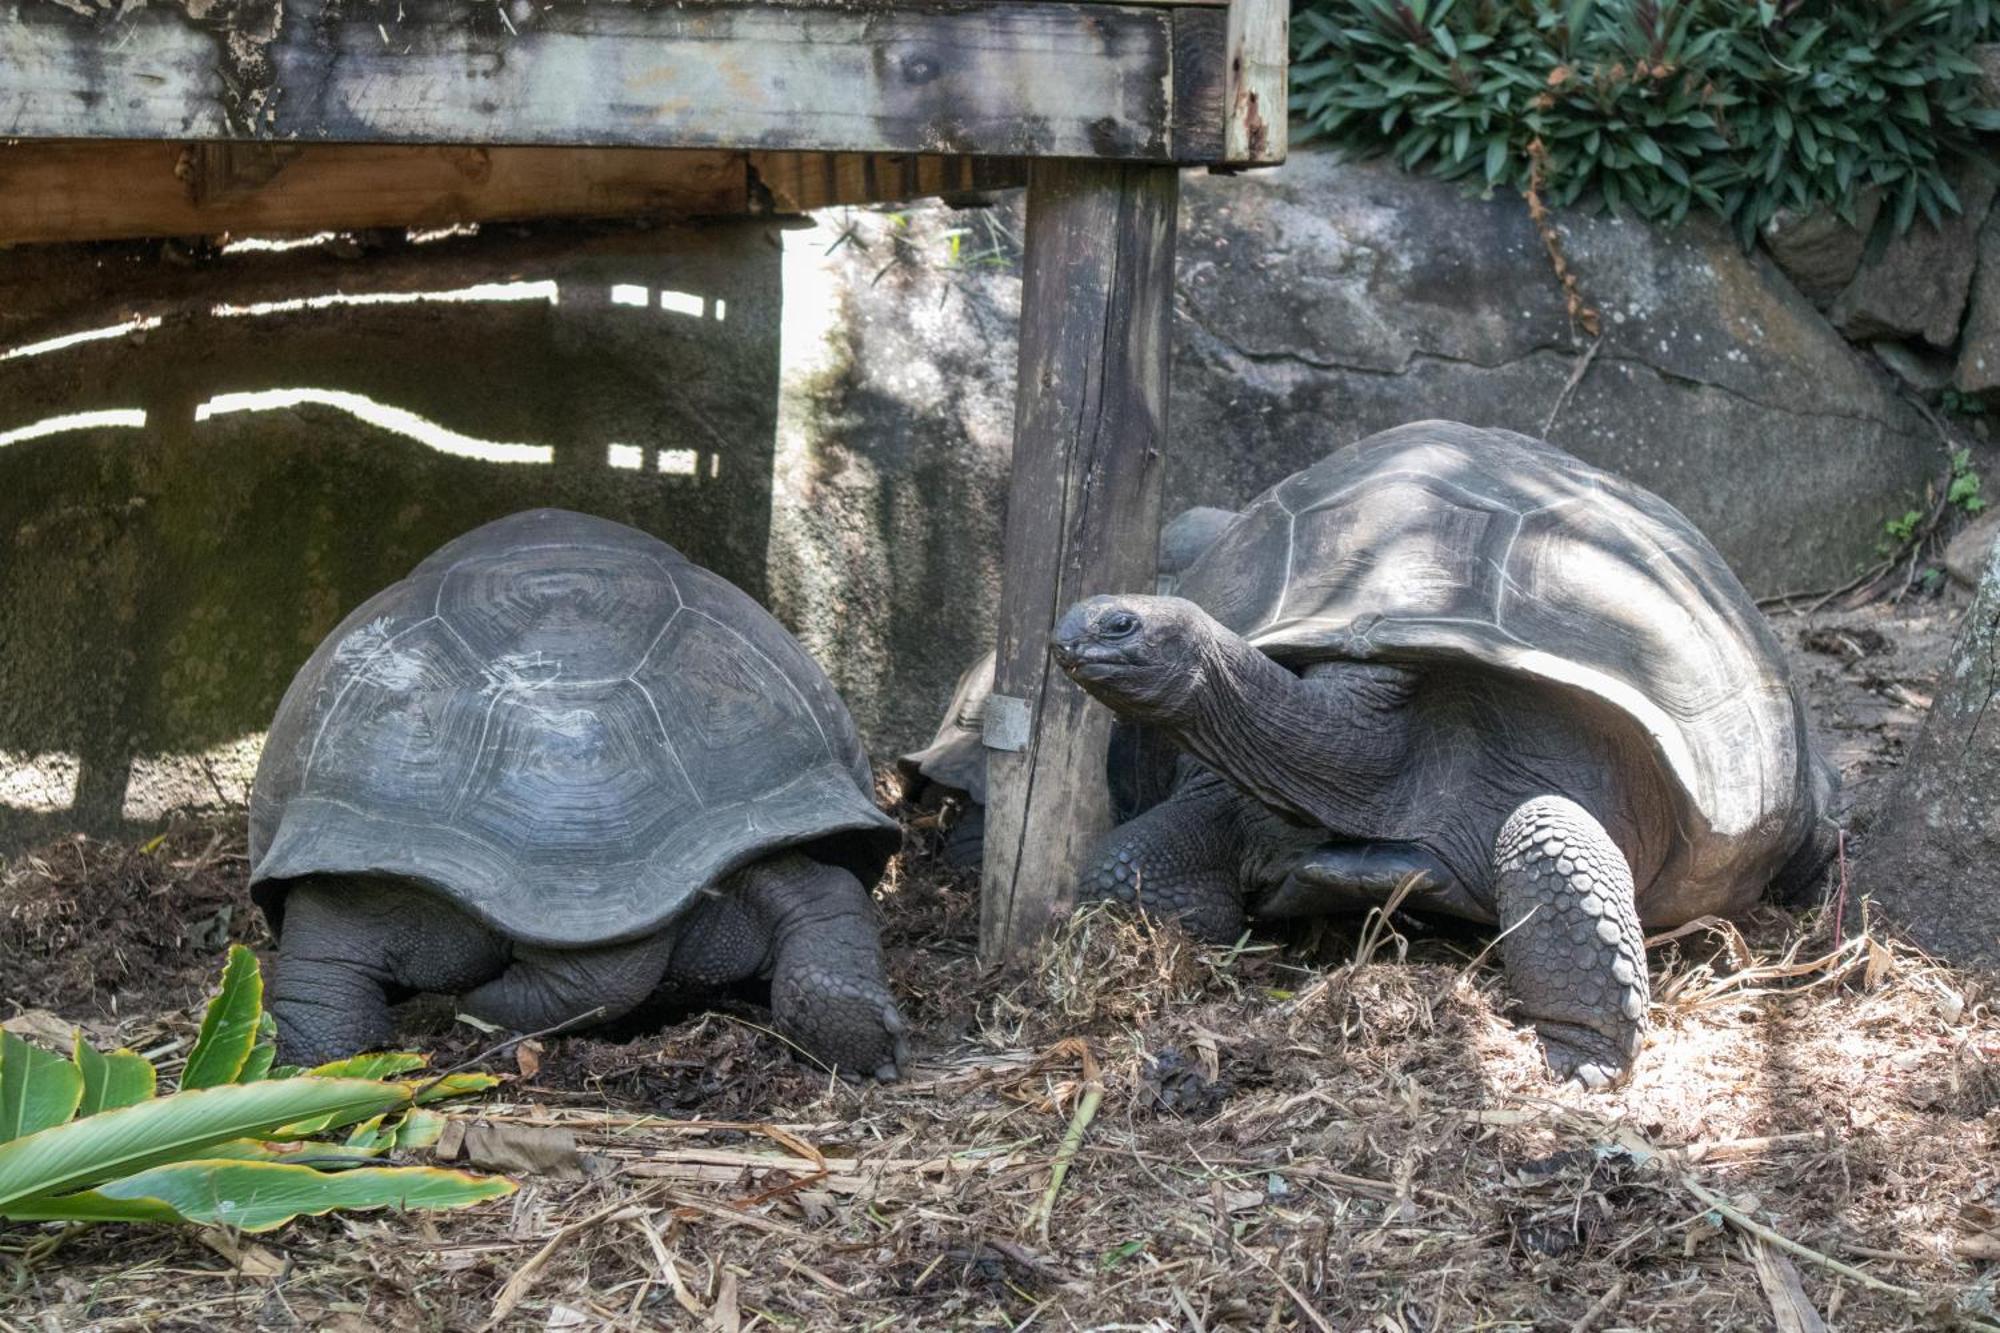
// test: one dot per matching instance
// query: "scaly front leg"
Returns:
(1574, 953)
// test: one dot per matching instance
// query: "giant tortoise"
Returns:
(1464, 661)
(560, 769)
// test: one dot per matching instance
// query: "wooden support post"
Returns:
(1083, 516)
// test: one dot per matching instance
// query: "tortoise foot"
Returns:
(1574, 953)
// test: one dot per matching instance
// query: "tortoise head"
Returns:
(1144, 657)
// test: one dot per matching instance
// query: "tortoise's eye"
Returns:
(1118, 624)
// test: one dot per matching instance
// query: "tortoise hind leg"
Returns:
(544, 988)
(350, 945)
(1572, 947)
(829, 993)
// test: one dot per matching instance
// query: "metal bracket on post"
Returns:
(1006, 726)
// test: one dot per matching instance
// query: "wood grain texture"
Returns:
(1200, 39)
(93, 191)
(799, 182)
(1083, 512)
(1255, 99)
(1010, 78)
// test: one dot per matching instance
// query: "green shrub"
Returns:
(1659, 105)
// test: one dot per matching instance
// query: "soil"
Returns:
(1338, 1129)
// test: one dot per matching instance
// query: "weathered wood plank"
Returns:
(798, 182)
(1083, 511)
(1200, 37)
(1259, 53)
(95, 191)
(1008, 78)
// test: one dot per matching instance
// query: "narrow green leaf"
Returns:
(229, 1029)
(112, 1144)
(258, 1196)
(1906, 206)
(121, 1078)
(37, 1089)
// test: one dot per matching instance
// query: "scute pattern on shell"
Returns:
(566, 727)
(1439, 540)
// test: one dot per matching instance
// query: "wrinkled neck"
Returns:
(1322, 750)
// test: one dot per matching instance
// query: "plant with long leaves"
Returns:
(1738, 107)
(242, 1142)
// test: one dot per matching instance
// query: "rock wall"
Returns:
(188, 505)
(832, 402)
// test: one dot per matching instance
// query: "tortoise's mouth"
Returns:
(1088, 660)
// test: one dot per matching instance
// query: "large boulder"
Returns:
(1979, 351)
(1917, 286)
(1932, 860)
(1324, 301)
(1819, 251)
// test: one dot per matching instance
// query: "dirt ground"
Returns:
(1337, 1130)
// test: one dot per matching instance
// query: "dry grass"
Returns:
(1342, 1133)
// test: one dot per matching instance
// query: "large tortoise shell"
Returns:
(567, 729)
(1443, 541)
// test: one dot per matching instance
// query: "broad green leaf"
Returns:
(37, 1089)
(121, 1078)
(114, 1144)
(89, 1207)
(375, 1064)
(258, 1064)
(258, 1196)
(451, 1085)
(417, 1129)
(368, 1133)
(412, 1130)
(229, 1029)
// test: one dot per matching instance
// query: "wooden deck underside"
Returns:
(272, 116)
(69, 190)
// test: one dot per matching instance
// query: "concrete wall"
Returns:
(312, 426)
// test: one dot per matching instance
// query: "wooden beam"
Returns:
(1008, 78)
(800, 182)
(1255, 101)
(80, 191)
(1083, 515)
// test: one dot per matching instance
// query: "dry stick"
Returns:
(1575, 378)
(1600, 1307)
(1298, 1297)
(1783, 1242)
(524, 1277)
(580, 1020)
(1580, 311)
